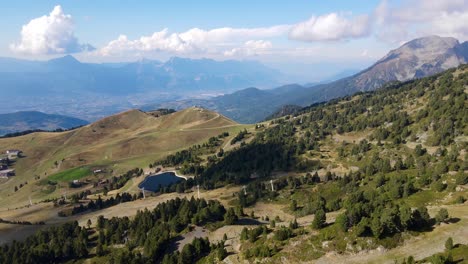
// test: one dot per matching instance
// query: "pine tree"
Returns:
(319, 219)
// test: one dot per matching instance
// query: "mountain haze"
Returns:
(68, 75)
(92, 91)
(246, 106)
(30, 120)
(415, 59)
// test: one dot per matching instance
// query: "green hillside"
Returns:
(114, 145)
(377, 177)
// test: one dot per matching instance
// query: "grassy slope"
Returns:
(421, 246)
(120, 142)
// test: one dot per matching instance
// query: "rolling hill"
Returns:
(117, 143)
(32, 120)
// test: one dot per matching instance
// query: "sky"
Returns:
(294, 36)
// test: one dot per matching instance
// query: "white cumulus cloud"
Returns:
(251, 48)
(331, 27)
(195, 39)
(158, 41)
(398, 23)
(49, 34)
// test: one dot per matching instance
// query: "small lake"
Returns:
(154, 182)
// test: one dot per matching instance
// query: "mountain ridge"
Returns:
(415, 59)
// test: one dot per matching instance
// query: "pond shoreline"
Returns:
(154, 179)
(173, 171)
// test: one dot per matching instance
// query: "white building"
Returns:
(5, 174)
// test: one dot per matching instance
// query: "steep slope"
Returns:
(30, 120)
(415, 59)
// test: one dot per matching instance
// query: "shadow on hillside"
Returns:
(453, 220)
(174, 244)
(248, 221)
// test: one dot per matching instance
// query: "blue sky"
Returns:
(285, 34)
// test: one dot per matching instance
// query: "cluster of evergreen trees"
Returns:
(192, 154)
(240, 136)
(117, 182)
(153, 231)
(100, 204)
(4, 221)
(55, 244)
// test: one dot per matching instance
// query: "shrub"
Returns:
(461, 178)
(442, 216)
(439, 186)
(460, 199)
(283, 234)
(449, 243)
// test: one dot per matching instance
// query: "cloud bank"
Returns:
(390, 21)
(251, 48)
(331, 27)
(417, 18)
(195, 39)
(243, 42)
(49, 34)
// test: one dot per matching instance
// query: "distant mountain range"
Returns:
(67, 75)
(415, 59)
(32, 120)
(92, 91)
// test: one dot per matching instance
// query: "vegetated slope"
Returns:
(119, 143)
(31, 120)
(415, 59)
(431, 111)
(381, 157)
(284, 111)
(400, 149)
